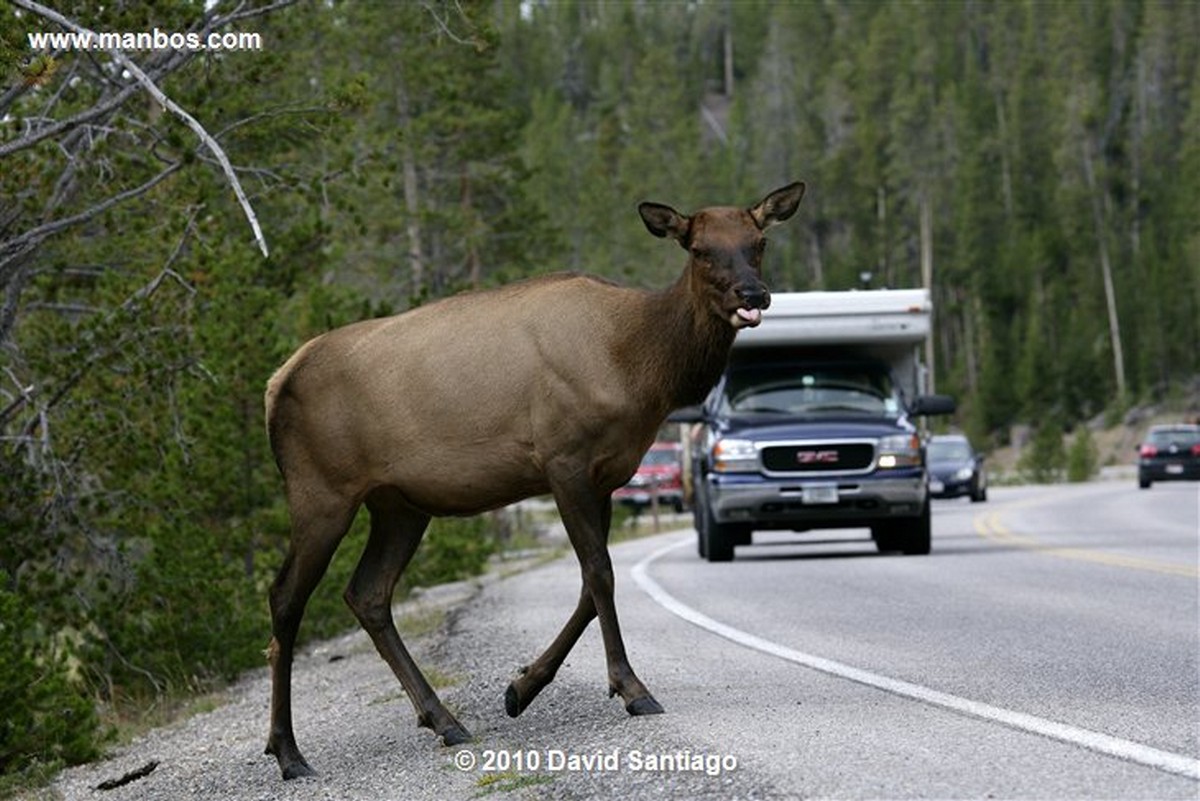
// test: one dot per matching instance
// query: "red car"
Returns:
(661, 471)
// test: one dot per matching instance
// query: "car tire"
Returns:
(910, 536)
(885, 538)
(978, 494)
(716, 539)
(1143, 483)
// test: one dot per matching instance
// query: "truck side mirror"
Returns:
(688, 414)
(933, 404)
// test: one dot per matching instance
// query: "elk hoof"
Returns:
(455, 735)
(646, 705)
(292, 764)
(298, 770)
(512, 702)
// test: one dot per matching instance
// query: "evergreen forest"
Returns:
(175, 222)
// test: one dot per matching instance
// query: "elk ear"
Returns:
(778, 206)
(664, 221)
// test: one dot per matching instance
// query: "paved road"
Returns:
(1048, 648)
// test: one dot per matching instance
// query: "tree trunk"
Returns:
(412, 205)
(927, 276)
(1110, 297)
(474, 263)
(818, 265)
(881, 219)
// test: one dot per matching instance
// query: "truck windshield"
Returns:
(811, 390)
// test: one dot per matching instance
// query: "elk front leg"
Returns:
(587, 514)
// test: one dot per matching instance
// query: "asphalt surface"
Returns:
(1047, 648)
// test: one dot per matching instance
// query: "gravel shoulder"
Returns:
(357, 728)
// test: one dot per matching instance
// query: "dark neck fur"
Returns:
(680, 347)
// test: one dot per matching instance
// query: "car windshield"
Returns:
(811, 390)
(1182, 437)
(953, 450)
(660, 457)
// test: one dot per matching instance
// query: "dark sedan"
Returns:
(955, 468)
(1170, 453)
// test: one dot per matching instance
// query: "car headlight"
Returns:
(899, 450)
(734, 456)
(964, 474)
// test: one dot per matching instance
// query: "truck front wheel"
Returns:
(910, 536)
(716, 539)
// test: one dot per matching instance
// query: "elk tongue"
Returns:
(750, 317)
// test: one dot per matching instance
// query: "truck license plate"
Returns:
(820, 493)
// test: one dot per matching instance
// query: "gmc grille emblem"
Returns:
(817, 457)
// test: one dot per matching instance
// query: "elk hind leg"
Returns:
(534, 678)
(396, 531)
(318, 524)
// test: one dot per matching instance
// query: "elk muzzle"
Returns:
(754, 298)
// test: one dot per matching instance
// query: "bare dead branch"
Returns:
(36, 235)
(188, 229)
(152, 89)
(445, 27)
(282, 111)
(237, 15)
(13, 284)
(63, 308)
(158, 66)
(23, 394)
(11, 94)
(149, 289)
(62, 126)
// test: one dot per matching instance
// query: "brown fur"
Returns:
(553, 385)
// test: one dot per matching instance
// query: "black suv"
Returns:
(1170, 453)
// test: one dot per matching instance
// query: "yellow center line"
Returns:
(988, 526)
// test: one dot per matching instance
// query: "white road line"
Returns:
(1094, 741)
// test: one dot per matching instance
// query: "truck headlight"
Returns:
(900, 450)
(734, 456)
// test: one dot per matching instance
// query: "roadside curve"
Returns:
(1095, 741)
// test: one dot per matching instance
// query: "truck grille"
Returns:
(818, 457)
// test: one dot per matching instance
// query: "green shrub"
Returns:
(1044, 459)
(47, 720)
(452, 549)
(1082, 457)
(185, 622)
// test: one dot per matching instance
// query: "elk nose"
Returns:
(755, 296)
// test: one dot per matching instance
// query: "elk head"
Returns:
(726, 248)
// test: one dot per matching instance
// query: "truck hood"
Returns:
(775, 427)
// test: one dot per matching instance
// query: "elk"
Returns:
(556, 385)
